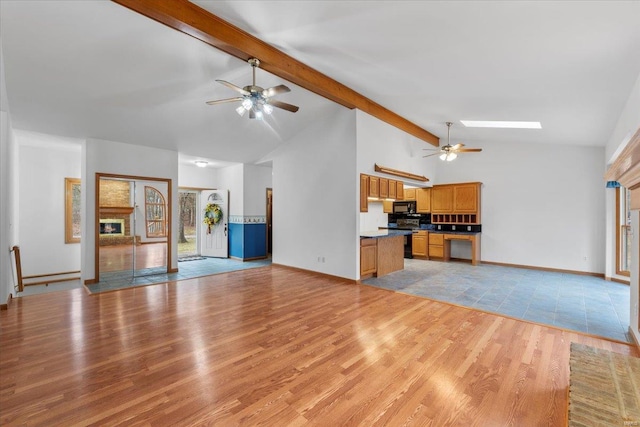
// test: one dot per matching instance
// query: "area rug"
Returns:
(190, 258)
(604, 388)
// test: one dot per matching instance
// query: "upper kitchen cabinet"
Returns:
(392, 189)
(442, 199)
(364, 193)
(423, 200)
(466, 198)
(374, 186)
(456, 203)
(409, 194)
(399, 190)
(384, 188)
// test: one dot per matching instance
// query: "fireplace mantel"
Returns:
(126, 210)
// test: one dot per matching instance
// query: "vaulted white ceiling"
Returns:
(98, 70)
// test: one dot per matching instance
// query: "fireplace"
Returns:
(112, 227)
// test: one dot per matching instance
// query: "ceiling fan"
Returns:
(256, 100)
(450, 152)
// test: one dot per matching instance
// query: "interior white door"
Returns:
(214, 235)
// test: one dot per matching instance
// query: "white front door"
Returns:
(214, 241)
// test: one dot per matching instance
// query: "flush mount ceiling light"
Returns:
(500, 124)
(201, 163)
(256, 100)
(450, 152)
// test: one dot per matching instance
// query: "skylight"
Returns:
(500, 124)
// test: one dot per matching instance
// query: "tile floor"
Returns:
(187, 270)
(581, 303)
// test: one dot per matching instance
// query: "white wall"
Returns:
(381, 143)
(232, 178)
(44, 163)
(190, 176)
(374, 218)
(542, 205)
(6, 240)
(315, 197)
(123, 159)
(256, 181)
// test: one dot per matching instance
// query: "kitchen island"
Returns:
(381, 252)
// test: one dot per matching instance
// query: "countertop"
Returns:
(469, 233)
(384, 233)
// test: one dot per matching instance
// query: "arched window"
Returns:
(155, 212)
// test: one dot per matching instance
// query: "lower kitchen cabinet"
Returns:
(436, 245)
(368, 256)
(419, 243)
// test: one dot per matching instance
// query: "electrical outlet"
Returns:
(453, 228)
(468, 228)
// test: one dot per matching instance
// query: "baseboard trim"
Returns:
(633, 338)
(90, 281)
(172, 270)
(9, 301)
(317, 273)
(554, 270)
(615, 279)
(248, 259)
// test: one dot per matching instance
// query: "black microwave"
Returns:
(404, 207)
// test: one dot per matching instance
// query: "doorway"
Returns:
(133, 227)
(269, 221)
(188, 224)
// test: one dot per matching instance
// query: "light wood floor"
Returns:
(120, 257)
(276, 346)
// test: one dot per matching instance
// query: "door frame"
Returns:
(269, 220)
(96, 228)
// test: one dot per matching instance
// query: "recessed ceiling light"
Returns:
(500, 124)
(201, 163)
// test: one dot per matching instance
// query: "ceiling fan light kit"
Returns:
(256, 100)
(450, 152)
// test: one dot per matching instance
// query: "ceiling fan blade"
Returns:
(223, 101)
(276, 90)
(234, 87)
(469, 150)
(457, 146)
(284, 106)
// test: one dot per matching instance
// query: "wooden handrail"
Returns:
(21, 278)
(16, 252)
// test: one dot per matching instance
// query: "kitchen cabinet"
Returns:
(465, 198)
(436, 245)
(368, 256)
(442, 199)
(384, 188)
(364, 193)
(410, 194)
(392, 189)
(387, 206)
(399, 190)
(456, 203)
(419, 243)
(423, 200)
(374, 186)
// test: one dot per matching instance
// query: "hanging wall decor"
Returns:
(212, 216)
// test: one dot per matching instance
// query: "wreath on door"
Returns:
(212, 216)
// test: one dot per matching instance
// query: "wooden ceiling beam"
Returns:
(187, 17)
